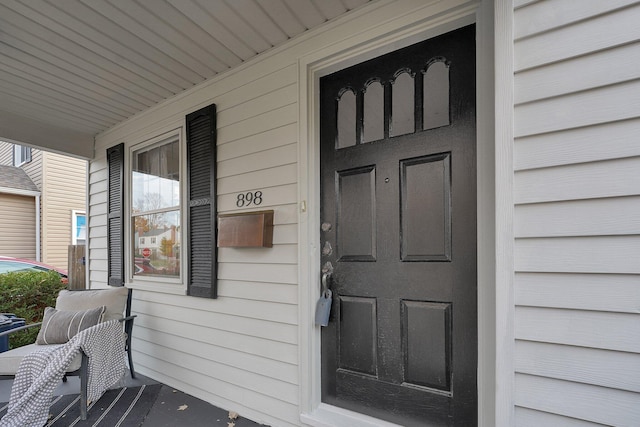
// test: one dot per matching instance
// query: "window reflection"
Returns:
(155, 212)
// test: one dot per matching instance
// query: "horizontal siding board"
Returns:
(258, 291)
(248, 404)
(100, 265)
(285, 234)
(98, 221)
(590, 403)
(225, 357)
(269, 139)
(525, 417)
(18, 226)
(609, 254)
(539, 17)
(286, 214)
(278, 254)
(601, 105)
(266, 159)
(596, 292)
(614, 369)
(257, 105)
(599, 69)
(270, 83)
(284, 273)
(276, 118)
(277, 176)
(238, 337)
(594, 143)
(609, 331)
(605, 31)
(594, 217)
(583, 181)
(258, 310)
(204, 358)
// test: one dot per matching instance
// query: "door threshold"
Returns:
(332, 416)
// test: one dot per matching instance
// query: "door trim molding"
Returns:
(426, 21)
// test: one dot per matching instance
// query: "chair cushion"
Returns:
(58, 326)
(10, 360)
(114, 299)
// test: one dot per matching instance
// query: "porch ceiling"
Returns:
(71, 69)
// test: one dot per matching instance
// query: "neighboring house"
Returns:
(483, 250)
(19, 225)
(46, 211)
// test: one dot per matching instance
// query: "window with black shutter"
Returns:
(156, 232)
(115, 215)
(201, 193)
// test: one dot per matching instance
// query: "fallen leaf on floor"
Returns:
(233, 415)
(231, 424)
(174, 391)
(182, 407)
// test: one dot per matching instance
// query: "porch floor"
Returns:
(165, 411)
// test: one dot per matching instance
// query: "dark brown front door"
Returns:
(398, 165)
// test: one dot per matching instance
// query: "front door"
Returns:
(398, 235)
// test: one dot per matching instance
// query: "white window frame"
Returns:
(74, 226)
(171, 285)
(21, 155)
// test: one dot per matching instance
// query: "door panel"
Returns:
(398, 193)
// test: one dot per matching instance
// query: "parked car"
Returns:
(10, 265)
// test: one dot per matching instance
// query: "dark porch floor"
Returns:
(165, 411)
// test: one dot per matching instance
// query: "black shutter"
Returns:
(201, 190)
(115, 216)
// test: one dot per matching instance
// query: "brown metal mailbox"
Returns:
(246, 230)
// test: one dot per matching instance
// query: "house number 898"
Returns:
(248, 199)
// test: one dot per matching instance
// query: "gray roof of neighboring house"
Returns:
(15, 178)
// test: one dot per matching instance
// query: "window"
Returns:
(21, 155)
(155, 208)
(172, 198)
(78, 228)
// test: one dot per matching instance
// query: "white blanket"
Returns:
(40, 372)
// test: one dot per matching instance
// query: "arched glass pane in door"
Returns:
(436, 96)
(373, 126)
(346, 119)
(402, 105)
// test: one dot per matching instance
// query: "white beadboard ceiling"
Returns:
(70, 69)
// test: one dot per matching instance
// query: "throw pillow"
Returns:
(58, 326)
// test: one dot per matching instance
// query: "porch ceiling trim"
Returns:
(71, 70)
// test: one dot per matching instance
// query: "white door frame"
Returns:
(495, 359)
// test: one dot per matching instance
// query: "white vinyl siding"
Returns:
(6, 153)
(577, 212)
(18, 226)
(244, 344)
(63, 191)
(240, 351)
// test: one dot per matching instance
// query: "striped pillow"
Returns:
(59, 326)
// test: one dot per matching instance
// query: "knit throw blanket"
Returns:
(40, 372)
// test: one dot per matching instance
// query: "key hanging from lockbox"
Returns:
(323, 306)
